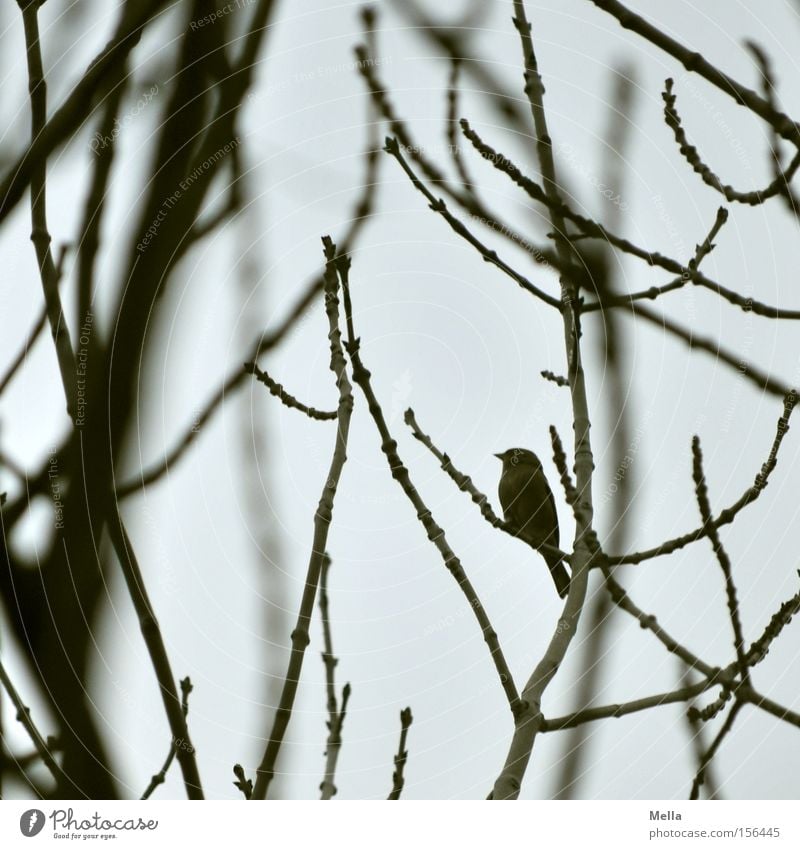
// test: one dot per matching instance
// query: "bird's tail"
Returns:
(559, 572)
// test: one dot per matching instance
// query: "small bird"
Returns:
(530, 509)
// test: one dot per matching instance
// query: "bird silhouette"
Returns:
(530, 509)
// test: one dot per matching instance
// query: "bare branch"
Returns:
(398, 779)
(336, 714)
(694, 62)
(712, 750)
(161, 776)
(692, 156)
(322, 522)
(727, 515)
(615, 711)
(701, 491)
(439, 206)
(465, 484)
(285, 398)
(41, 745)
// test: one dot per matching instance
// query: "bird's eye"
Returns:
(514, 460)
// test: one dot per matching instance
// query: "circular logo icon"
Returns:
(31, 822)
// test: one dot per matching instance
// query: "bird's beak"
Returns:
(500, 456)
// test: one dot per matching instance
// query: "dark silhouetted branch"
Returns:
(41, 745)
(161, 776)
(398, 778)
(336, 713)
(701, 491)
(694, 62)
(692, 156)
(322, 523)
(285, 398)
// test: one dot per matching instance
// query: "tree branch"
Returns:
(322, 522)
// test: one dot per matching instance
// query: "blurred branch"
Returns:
(336, 714)
(454, 41)
(322, 522)
(398, 779)
(264, 342)
(95, 205)
(470, 202)
(452, 126)
(103, 69)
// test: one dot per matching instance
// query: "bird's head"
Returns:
(515, 457)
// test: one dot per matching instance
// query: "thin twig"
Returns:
(470, 202)
(727, 515)
(21, 356)
(619, 595)
(79, 103)
(40, 235)
(336, 714)
(285, 398)
(701, 491)
(592, 229)
(322, 523)
(398, 778)
(452, 126)
(243, 783)
(712, 750)
(24, 717)
(754, 698)
(555, 378)
(465, 484)
(572, 720)
(438, 205)
(692, 156)
(701, 252)
(161, 776)
(694, 62)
